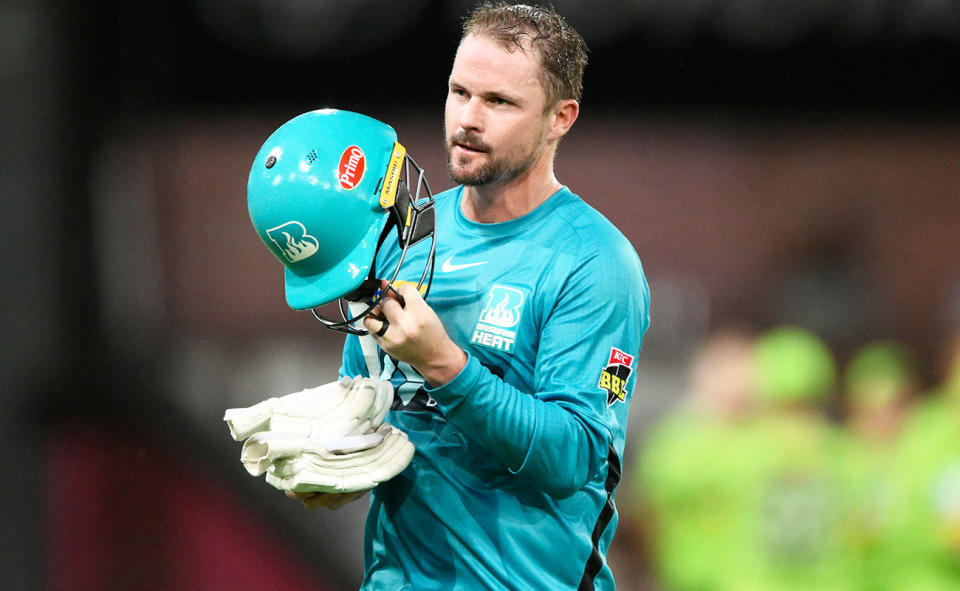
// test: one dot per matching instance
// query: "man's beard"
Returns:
(494, 170)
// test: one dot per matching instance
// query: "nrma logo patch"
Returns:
(496, 327)
(293, 241)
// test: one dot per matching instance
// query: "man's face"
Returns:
(495, 121)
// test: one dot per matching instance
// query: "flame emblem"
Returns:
(503, 307)
(293, 242)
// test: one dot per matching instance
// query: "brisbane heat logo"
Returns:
(293, 242)
(498, 321)
(614, 376)
(352, 165)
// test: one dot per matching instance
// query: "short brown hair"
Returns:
(562, 51)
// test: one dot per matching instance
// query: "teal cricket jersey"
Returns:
(518, 457)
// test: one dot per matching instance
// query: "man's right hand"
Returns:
(332, 501)
(415, 334)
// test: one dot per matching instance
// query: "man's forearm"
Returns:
(541, 441)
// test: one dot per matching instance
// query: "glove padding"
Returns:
(350, 406)
(331, 438)
(320, 470)
(264, 448)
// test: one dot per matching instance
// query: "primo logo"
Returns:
(500, 315)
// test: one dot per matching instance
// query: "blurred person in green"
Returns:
(691, 467)
(927, 530)
(743, 481)
(791, 522)
(880, 383)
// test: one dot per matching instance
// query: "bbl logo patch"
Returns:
(293, 241)
(501, 315)
(614, 376)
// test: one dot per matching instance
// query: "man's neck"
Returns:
(502, 202)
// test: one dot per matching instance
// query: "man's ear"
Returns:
(562, 117)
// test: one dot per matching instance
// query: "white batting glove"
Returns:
(350, 406)
(324, 471)
(264, 448)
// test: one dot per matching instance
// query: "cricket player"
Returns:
(513, 377)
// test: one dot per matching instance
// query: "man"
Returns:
(513, 382)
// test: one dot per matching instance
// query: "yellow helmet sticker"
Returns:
(396, 284)
(388, 194)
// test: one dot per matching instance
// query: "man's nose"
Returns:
(471, 116)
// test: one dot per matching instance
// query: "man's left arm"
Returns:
(554, 436)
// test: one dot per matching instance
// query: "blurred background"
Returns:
(788, 172)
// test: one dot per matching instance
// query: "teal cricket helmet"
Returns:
(324, 191)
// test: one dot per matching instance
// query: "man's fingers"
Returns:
(390, 308)
(402, 307)
(313, 500)
(345, 498)
(378, 319)
(389, 292)
(375, 326)
(320, 500)
(410, 293)
(307, 498)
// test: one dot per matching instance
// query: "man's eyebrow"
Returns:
(497, 93)
(489, 93)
